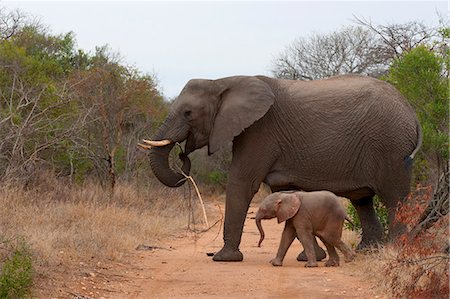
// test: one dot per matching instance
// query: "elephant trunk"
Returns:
(261, 231)
(159, 161)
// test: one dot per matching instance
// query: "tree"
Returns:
(36, 112)
(419, 76)
(10, 23)
(401, 38)
(69, 112)
(349, 50)
(119, 105)
(363, 49)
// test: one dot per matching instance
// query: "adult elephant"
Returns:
(352, 135)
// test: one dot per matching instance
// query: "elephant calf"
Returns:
(307, 214)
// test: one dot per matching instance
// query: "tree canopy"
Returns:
(364, 48)
(73, 113)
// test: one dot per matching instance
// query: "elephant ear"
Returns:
(243, 101)
(287, 207)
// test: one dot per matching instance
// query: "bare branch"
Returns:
(437, 208)
(365, 49)
(399, 38)
(10, 23)
(349, 50)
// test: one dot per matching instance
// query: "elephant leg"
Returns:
(333, 259)
(348, 253)
(320, 253)
(307, 240)
(372, 231)
(238, 199)
(287, 238)
(248, 170)
(396, 228)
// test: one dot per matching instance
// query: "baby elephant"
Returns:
(307, 214)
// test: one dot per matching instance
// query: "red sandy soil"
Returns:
(180, 268)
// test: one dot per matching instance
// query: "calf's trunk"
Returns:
(261, 231)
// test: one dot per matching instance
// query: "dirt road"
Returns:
(183, 270)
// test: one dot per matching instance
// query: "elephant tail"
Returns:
(409, 159)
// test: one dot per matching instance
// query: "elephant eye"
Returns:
(187, 113)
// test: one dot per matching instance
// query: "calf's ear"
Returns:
(287, 207)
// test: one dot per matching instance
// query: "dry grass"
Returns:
(351, 238)
(412, 267)
(413, 277)
(415, 265)
(66, 224)
(74, 231)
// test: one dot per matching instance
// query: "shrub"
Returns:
(16, 274)
(66, 224)
(416, 265)
(380, 209)
(420, 76)
(217, 178)
(211, 171)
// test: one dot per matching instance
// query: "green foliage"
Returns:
(16, 274)
(211, 170)
(72, 162)
(420, 76)
(70, 111)
(380, 210)
(217, 178)
(445, 32)
(120, 157)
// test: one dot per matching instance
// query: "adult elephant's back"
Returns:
(352, 135)
(351, 112)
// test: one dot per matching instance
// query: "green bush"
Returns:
(16, 274)
(421, 76)
(217, 178)
(380, 209)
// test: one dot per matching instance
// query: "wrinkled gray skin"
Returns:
(307, 214)
(351, 135)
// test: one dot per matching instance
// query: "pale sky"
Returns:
(179, 41)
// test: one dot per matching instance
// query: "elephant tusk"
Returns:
(146, 147)
(157, 143)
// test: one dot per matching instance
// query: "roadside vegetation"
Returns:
(16, 275)
(73, 184)
(49, 230)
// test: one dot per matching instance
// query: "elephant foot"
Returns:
(311, 264)
(276, 262)
(320, 255)
(332, 263)
(371, 238)
(228, 255)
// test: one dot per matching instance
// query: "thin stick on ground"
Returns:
(191, 179)
(188, 177)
